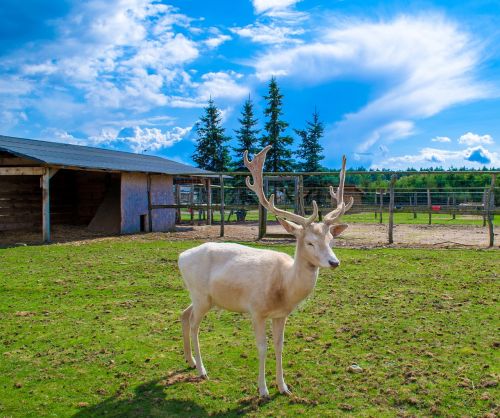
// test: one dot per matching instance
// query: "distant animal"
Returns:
(263, 283)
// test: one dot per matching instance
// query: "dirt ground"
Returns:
(358, 235)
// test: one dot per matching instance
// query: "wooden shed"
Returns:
(44, 183)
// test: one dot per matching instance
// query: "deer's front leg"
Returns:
(278, 337)
(259, 325)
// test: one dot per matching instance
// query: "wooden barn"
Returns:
(44, 183)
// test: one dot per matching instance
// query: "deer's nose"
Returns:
(333, 263)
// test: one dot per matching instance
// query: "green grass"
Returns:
(93, 330)
(421, 219)
(368, 217)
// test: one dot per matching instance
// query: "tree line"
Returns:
(212, 152)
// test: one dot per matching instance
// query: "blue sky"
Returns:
(397, 83)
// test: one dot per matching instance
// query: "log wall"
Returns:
(74, 199)
(20, 202)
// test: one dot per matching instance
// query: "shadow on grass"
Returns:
(149, 401)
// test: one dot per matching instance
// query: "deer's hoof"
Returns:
(284, 390)
(263, 393)
(191, 363)
(203, 374)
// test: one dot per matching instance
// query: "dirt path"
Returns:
(358, 235)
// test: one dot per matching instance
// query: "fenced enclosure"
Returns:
(408, 197)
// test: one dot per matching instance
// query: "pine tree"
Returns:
(246, 135)
(211, 153)
(310, 150)
(279, 158)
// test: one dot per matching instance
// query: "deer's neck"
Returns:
(302, 277)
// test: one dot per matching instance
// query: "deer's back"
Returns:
(235, 277)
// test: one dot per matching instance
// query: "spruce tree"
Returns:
(279, 158)
(310, 150)
(246, 135)
(211, 153)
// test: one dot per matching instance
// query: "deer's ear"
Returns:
(337, 229)
(290, 227)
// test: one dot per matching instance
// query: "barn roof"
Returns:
(69, 155)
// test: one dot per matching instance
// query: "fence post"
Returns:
(191, 202)
(485, 205)
(296, 195)
(491, 210)
(209, 201)
(178, 212)
(415, 206)
(221, 183)
(302, 208)
(381, 204)
(391, 208)
(45, 184)
(454, 206)
(429, 205)
(263, 212)
(375, 212)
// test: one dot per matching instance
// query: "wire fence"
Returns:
(225, 199)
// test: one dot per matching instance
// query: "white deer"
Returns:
(263, 283)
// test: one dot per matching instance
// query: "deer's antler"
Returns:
(255, 168)
(341, 208)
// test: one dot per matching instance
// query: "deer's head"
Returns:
(314, 239)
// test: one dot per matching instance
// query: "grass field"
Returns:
(93, 330)
(368, 217)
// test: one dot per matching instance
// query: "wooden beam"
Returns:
(221, 180)
(263, 212)
(429, 205)
(22, 171)
(15, 161)
(391, 208)
(381, 204)
(491, 208)
(415, 201)
(191, 202)
(53, 172)
(209, 201)
(46, 205)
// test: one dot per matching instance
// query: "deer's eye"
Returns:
(311, 244)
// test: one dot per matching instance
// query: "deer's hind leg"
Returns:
(259, 326)
(185, 335)
(200, 308)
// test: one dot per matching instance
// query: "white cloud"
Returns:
(60, 135)
(426, 63)
(147, 121)
(262, 6)
(45, 68)
(221, 85)
(110, 59)
(441, 139)
(388, 133)
(15, 86)
(216, 40)
(139, 139)
(124, 54)
(473, 139)
(272, 34)
(434, 157)
(218, 85)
